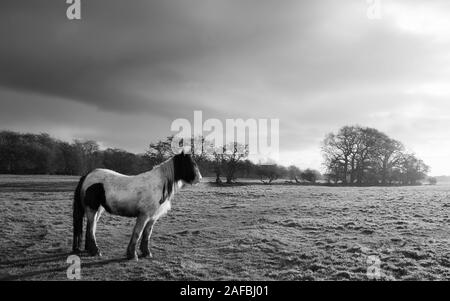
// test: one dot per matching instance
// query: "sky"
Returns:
(124, 72)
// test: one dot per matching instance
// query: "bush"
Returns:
(432, 181)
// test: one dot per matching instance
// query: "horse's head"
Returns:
(186, 169)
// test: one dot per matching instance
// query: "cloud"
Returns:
(126, 70)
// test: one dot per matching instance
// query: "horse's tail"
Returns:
(78, 217)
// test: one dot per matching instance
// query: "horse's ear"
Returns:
(182, 152)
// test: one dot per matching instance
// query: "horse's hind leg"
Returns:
(91, 243)
(145, 242)
(137, 233)
(99, 214)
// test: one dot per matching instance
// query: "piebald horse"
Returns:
(146, 196)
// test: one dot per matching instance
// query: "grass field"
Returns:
(249, 232)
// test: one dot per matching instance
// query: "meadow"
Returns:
(245, 232)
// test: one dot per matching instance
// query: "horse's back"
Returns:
(106, 177)
(110, 172)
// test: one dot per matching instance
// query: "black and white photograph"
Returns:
(225, 141)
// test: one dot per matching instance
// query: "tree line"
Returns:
(43, 154)
(358, 155)
(353, 156)
(230, 162)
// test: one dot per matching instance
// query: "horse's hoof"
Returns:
(94, 253)
(76, 251)
(131, 256)
(147, 254)
(145, 251)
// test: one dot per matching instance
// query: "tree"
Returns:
(247, 168)
(311, 175)
(217, 162)
(71, 160)
(294, 173)
(388, 157)
(432, 180)
(89, 154)
(413, 170)
(9, 156)
(270, 173)
(119, 160)
(160, 151)
(340, 151)
(365, 155)
(368, 145)
(233, 154)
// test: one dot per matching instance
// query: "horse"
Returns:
(146, 197)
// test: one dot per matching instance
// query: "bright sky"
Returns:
(124, 72)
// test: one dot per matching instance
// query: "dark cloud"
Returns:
(121, 56)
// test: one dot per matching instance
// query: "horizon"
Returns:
(123, 73)
(103, 148)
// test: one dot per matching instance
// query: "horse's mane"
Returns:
(168, 179)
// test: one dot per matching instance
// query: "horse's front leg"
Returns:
(137, 233)
(145, 242)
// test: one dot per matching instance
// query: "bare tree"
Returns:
(294, 173)
(160, 151)
(310, 175)
(389, 156)
(270, 173)
(218, 162)
(340, 152)
(413, 169)
(231, 156)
